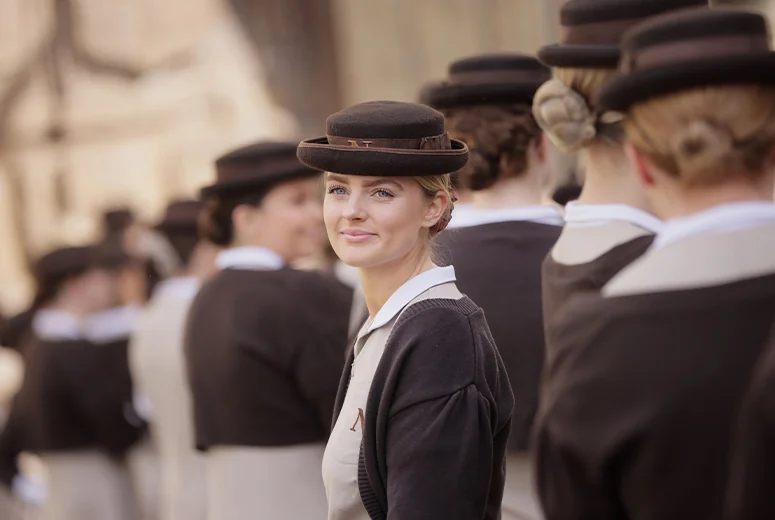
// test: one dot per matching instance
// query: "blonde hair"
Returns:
(431, 185)
(564, 108)
(704, 135)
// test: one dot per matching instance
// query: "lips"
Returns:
(357, 235)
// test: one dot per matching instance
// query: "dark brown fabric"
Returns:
(639, 404)
(264, 351)
(437, 419)
(498, 266)
(499, 76)
(77, 395)
(598, 33)
(752, 476)
(562, 282)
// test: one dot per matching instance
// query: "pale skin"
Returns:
(94, 291)
(671, 198)
(381, 225)
(288, 220)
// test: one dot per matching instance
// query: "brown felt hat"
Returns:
(690, 49)
(592, 30)
(385, 139)
(181, 215)
(255, 166)
(489, 79)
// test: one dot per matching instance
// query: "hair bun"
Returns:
(564, 115)
(701, 146)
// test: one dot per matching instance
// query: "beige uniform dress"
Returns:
(340, 462)
(159, 374)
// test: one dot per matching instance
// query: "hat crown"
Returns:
(582, 12)
(496, 62)
(386, 120)
(63, 261)
(183, 212)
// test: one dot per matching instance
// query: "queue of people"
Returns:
(607, 358)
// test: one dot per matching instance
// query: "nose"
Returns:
(353, 210)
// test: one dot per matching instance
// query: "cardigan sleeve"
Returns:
(440, 459)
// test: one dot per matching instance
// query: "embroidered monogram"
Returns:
(355, 143)
(360, 418)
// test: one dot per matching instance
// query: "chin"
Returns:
(358, 257)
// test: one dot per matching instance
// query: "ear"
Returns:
(639, 164)
(435, 210)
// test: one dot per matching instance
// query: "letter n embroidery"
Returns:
(360, 418)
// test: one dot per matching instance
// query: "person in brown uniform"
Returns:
(611, 223)
(424, 407)
(265, 344)
(497, 252)
(641, 400)
(75, 405)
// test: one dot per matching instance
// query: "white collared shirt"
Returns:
(249, 257)
(53, 325)
(179, 287)
(718, 219)
(460, 215)
(541, 214)
(101, 327)
(411, 289)
(577, 214)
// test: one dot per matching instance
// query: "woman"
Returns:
(424, 407)
(158, 365)
(498, 251)
(611, 223)
(641, 400)
(75, 405)
(264, 342)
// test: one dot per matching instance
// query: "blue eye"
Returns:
(337, 190)
(383, 194)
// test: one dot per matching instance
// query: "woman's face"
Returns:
(288, 221)
(372, 221)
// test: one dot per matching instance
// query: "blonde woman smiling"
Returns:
(424, 407)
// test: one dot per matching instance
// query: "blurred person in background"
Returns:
(498, 250)
(75, 408)
(641, 401)
(158, 365)
(265, 343)
(612, 223)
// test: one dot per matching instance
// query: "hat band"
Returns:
(688, 50)
(499, 76)
(599, 33)
(274, 166)
(436, 142)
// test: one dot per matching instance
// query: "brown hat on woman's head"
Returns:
(255, 167)
(181, 216)
(385, 139)
(592, 30)
(690, 49)
(117, 220)
(489, 79)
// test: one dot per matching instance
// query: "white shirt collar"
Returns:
(541, 214)
(249, 257)
(411, 289)
(577, 214)
(179, 287)
(461, 215)
(53, 325)
(719, 219)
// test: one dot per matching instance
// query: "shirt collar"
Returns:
(460, 215)
(249, 257)
(53, 325)
(719, 219)
(577, 214)
(101, 327)
(179, 287)
(411, 289)
(541, 214)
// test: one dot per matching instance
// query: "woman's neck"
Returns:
(678, 202)
(380, 282)
(609, 179)
(509, 193)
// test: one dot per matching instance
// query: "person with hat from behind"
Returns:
(611, 223)
(424, 408)
(639, 407)
(498, 251)
(75, 407)
(265, 343)
(158, 365)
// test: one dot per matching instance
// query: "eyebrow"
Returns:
(369, 184)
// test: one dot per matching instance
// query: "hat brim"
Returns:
(624, 90)
(580, 56)
(458, 96)
(256, 184)
(381, 162)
